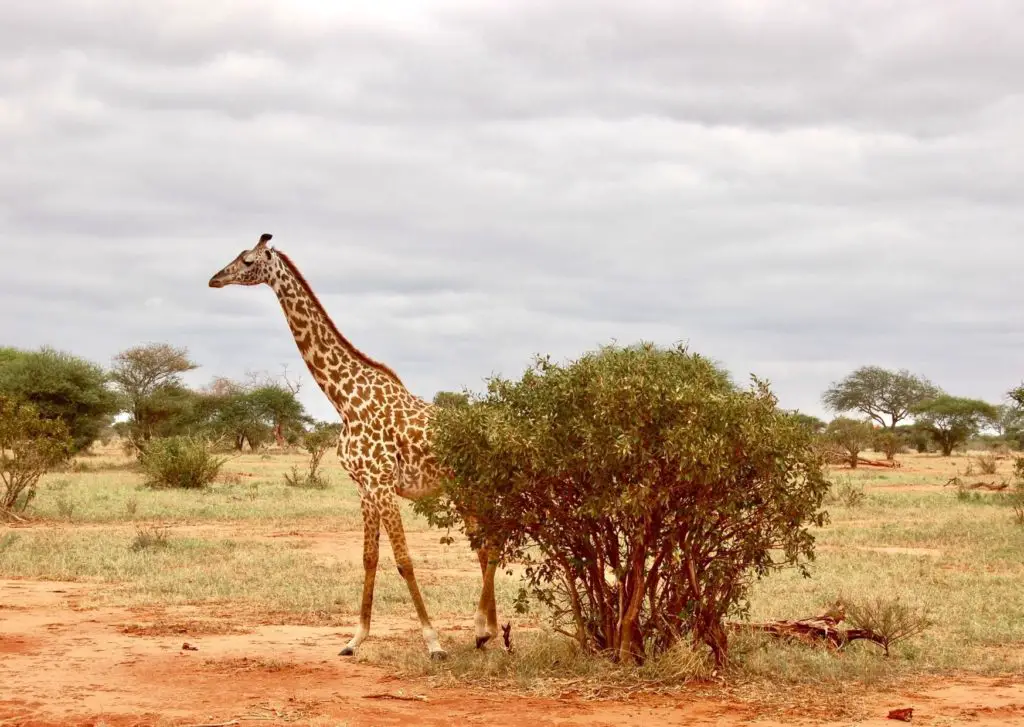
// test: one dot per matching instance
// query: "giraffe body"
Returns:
(384, 443)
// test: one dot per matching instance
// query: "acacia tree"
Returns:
(888, 397)
(952, 420)
(61, 386)
(149, 378)
(644, 491)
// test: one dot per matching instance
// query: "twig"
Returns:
(215, 724)
(399, 697)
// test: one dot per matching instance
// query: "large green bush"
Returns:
(179, 462)
(642, 488)
(61, 386)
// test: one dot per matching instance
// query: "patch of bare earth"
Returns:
(63, 664)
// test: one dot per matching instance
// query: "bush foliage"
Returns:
(179, 462)
(61, 386)
(643, 490)
(30, 446)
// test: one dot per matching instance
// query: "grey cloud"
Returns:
(794, 188)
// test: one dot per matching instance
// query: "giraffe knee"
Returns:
(404, 567)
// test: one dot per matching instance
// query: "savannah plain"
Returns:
(122, 605)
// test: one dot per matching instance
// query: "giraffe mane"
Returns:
(383, 368)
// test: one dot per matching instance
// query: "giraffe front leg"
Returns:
(392, 519)
(371, 553)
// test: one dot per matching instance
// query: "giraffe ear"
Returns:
(264, 238)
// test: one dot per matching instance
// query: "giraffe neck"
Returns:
(350, 379)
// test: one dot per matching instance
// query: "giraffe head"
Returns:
(251, 267)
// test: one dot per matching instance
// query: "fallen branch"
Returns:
(878, 463)
(230, 723)
(824, 627)
(993, 486)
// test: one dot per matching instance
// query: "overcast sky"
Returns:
(794, 188)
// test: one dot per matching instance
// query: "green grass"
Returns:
(250, 489)
(252, 575)
(969, 583)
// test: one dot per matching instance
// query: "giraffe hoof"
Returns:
(438, 655)
(347, 651)
(481, 640)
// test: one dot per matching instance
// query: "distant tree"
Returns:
(281, 408)
(450, 398)
(888, 441)
(952, 420)
(888, 397)
(853, 436)
(812, 423)
(149, 379)
(278, 397)
(252, 413)
(61, 386)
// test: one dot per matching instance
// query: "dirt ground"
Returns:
(62, 664)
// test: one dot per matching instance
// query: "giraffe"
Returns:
(383, 443)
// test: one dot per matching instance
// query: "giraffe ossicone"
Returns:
(384, 443)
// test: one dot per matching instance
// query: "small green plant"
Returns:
(150, 536)
(846, 492)
(65, 506)
(317, 441)
(988, 463)
(180, 462)
(889, 619)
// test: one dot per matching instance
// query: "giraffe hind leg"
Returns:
(392, 519)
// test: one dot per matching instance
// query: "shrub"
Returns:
(987, 463)
(179, 462)
(642, 489)
(150, 536)
(852, 436)
(30, 446)
(888, 618)
(846, 492)
(317, 442)
(1017, 494)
